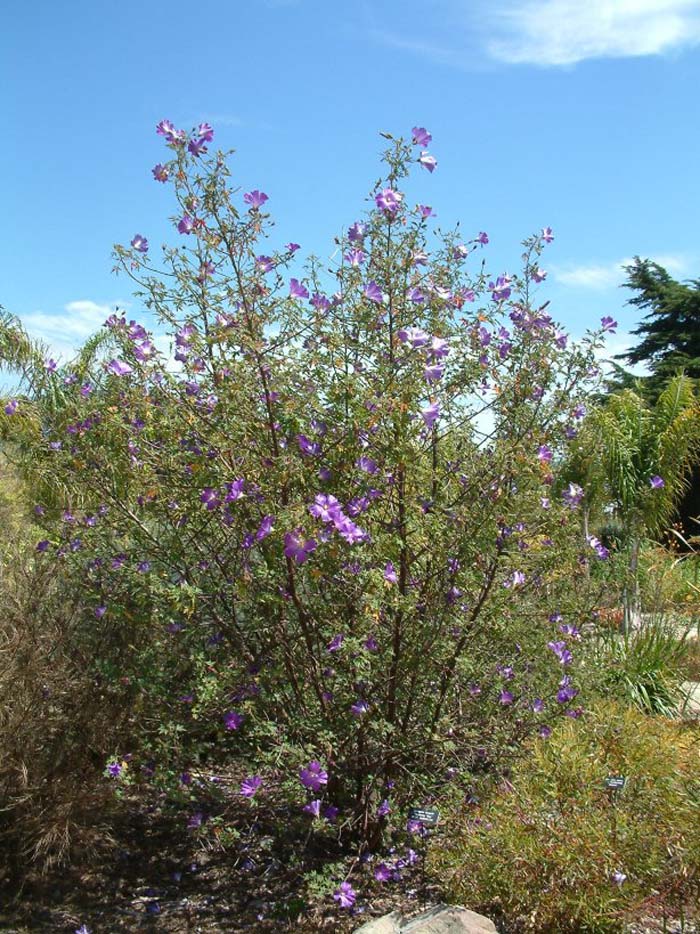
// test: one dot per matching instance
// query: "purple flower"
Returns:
(292, 247)
(357, 232)
(506, 698)
(100, 611)
(388, 200)
(547, 234)
(160, 173)
(382, 873)
(566, 692)
(427, 161)
(249, 786)
(42, 546)
(608, 324)
(483, 238)
(539, 275)
(165, 128)
(114, 768)
(420, 136)
(325, 507)
(373, 292)
(330, 812)
(186, 224)
(500, 290)
(313, 808)
(196, 146)
(656, 482)
(416, 337)
(196, 820)
(431, 414)
(618, 877)
(234, 490)
(83, 929)
(367, 464)
(572, 495)
(264, 263)
(384, 808)
(11, 407)
(390, 574)
(205, 132)
(336, 643)
(320, 302)
(561, 651)
(295, 547)
(355, 257)
(255, 199)
(265, 528)
(233, 720)
(297, 290)
(359, 708)
(310, 448)
(434, 373)
(210, 498)
(314, 776)
(119, 368)
(544, 453)
(140, 244)
(345, 895)
(439, 348)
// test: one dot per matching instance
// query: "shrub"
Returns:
(58, 719)
(554, 851)
(329, 533)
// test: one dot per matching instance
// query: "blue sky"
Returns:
(578, 114)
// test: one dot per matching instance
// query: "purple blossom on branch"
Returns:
(314, 776)
(298, 548)
(250, 786)
(373, 292)
(420, 136)
(388, 200)
(233, 720)
(345, 895)
(427, 161)
(297, 290)
(255, 199)
(119, 368)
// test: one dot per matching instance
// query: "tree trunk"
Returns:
(632, 604)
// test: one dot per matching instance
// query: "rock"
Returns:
(442, 919)
(388, 924)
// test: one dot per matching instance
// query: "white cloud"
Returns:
(65, 331)
(564, 32)
(469, 34)
(601, 276)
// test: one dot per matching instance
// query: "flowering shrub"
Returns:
(331, 524)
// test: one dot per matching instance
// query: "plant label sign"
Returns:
(615, 782)
(426, 816)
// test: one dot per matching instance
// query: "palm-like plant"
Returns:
(643, 456)
(43, 396)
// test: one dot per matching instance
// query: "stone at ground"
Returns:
(442, 919)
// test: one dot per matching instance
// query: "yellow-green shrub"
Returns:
(544, 851)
